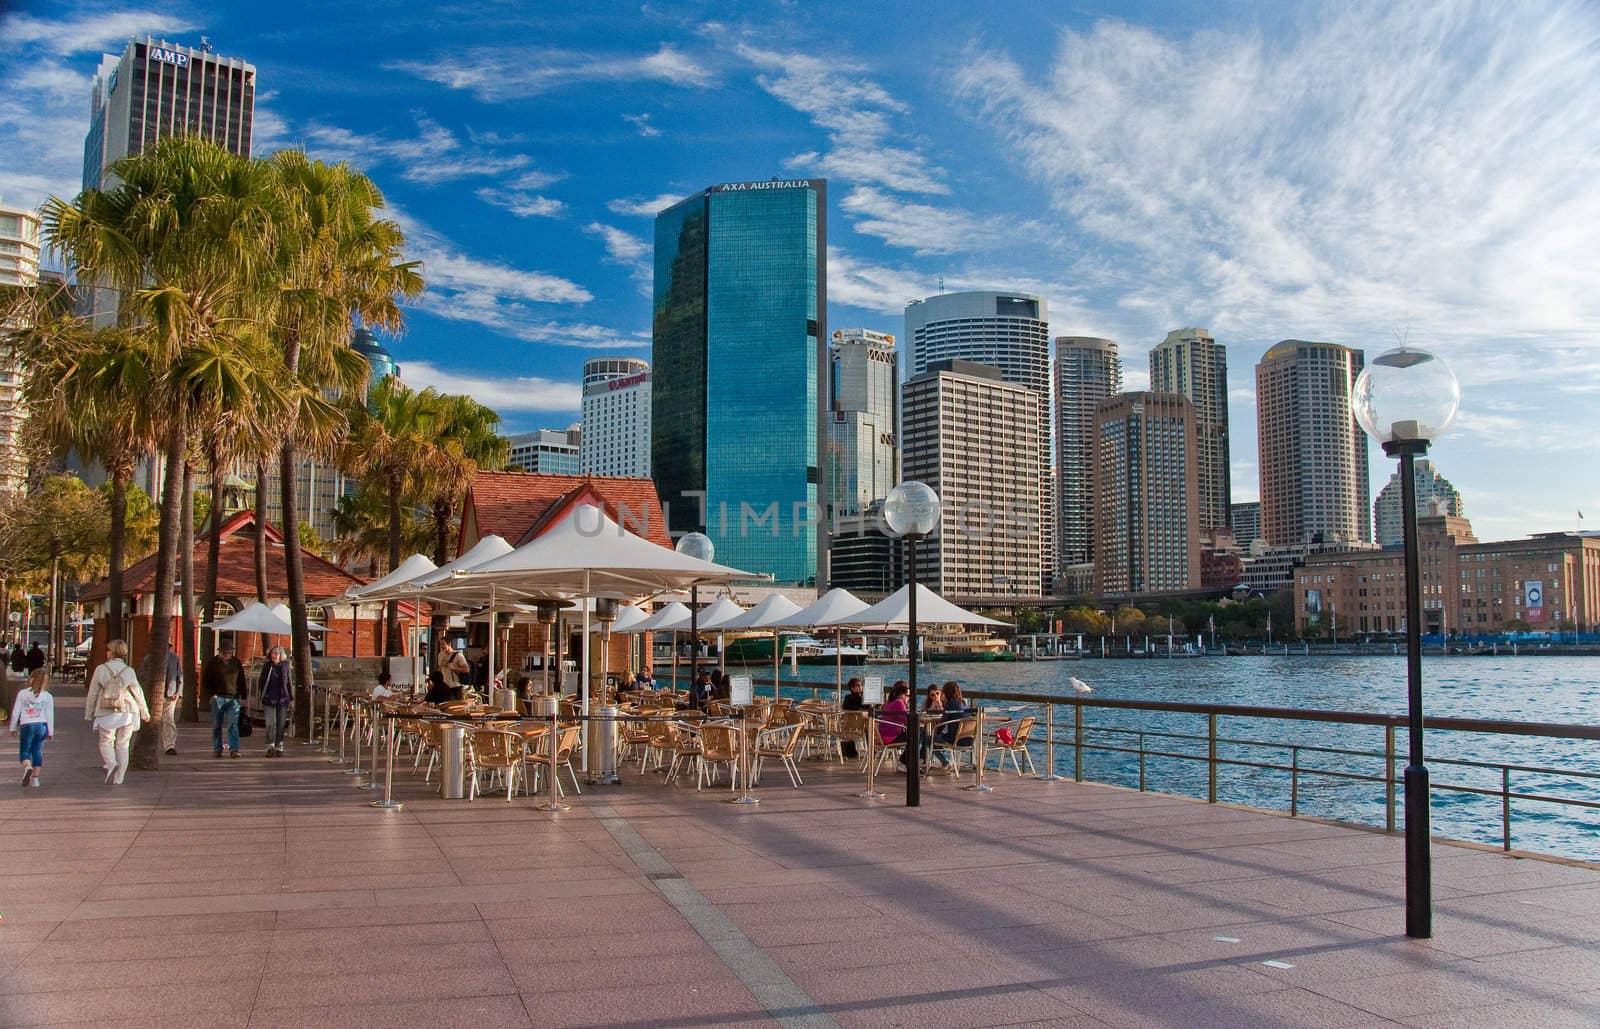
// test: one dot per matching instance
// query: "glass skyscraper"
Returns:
(738, 336)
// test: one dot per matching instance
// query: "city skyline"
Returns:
(526, 158)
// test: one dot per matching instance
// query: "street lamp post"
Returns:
(696, 545)
(911, 512)
(1405, 399)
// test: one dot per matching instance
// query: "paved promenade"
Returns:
(265, 893)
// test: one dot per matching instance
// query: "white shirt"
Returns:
(30, 708)
(378, 693)
(110, 678)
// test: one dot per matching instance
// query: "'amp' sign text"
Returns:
(166, 56)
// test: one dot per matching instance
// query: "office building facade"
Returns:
(1312, 456)
(1088, 373)
(1246, 520)
(616, 418)
(862, 463)
(1191, 362)
(973, 437)
(546, 451)
(1146, 497)
(739, 340)
(1008, 331)
(1434, 496)
(19, 267)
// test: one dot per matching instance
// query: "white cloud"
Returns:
(1422, 165)
(642, 123)
(494, 74)
(918, 227)
(621, 247)
(856, 283)
(642, 207)
(448, 270)
(535, 180)
(519, 393)
(523, 205)
(434, 155)
(99, 31)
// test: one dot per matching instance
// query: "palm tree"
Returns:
(361, 527)
(390, 444)
(466, 443)
(333, 259)
(184, 237)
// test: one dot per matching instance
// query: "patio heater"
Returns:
(911, 512)
(696, 545)
(603, 729)
(548, 611)
(1405, 399)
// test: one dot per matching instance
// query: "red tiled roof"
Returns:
(520, 505)
(236, 575)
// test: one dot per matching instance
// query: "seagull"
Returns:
(1079, 686)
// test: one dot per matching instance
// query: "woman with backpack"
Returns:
(117, 707)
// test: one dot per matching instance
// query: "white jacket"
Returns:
(109, 679)
(31, 708)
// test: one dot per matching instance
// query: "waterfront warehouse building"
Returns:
(974, 438)
(1549, 582)
(1088, 371)
(863, 458)
(1146, 496)
(1312, 455)
(546, 451)
(1435, 496)
(1191, 362)
(739, 338)
(19, 267)
(616, 418)
(1008, 331)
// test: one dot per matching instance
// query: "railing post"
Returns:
(327, 718)
(1141, 762)
(1211, 758)
(1294, 782)
(1077, 743)
(1388, 777)
(1505, 807)
(355, 769)
(372, 774)
(1049, 743)
(388, 802)
(344, 727)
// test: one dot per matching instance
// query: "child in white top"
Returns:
(34, 712)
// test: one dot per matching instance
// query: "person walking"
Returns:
(276, 699)
(34, 714)
(222, 680)
(453, 664)
(35, 658)
(19, 658)
(117, 707)
(171, 694)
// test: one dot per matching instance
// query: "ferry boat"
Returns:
(799, 647)
(965, 646)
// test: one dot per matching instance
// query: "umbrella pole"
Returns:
(488, 687)
(584, 670)
(838, 666)
(674, 659)
(776, 658)
(416, 652)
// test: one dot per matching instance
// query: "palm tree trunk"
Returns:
(295, 573)
(261, 535)
(146, 750)
(441, 552)
(186, 654)
(121, 475)
(208, 607)
(392, 609)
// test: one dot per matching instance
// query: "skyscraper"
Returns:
(1434, 494)
(1246, 522)
(864, 391)
(1008, 331)
(1190, 362)
(1088, 372)
(545, 451)
(19, 266)
(1146, 500)
(974, 438)
(379, 360)
(616, 418)
(739, 334)
(1312, 454)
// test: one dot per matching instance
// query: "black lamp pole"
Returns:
(913, 717)
(1419, 864)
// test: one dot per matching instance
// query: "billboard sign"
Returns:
(1533, 600)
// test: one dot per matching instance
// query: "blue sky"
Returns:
(1349, 172)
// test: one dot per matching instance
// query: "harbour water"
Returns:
(1526, 689)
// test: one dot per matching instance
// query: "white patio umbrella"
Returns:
(893, 612)
(775, 612)
(628, 616)
(282, 611)
(588, 554)
(253, 617)
(381, 589)
(664, 620)
(836, 604)
(712, 617)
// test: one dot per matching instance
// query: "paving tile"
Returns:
(488, 1012)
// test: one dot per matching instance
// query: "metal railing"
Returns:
(1305, 762)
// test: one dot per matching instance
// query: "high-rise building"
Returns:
(153, 90)
(1246, 517)
(546, 451)
(1190, 362)
(739, 337)
(1088, 372)
(1146, 498)
(616, 418)
(1312, 454)
(19, 267)
(1008, 331)
(379, 360)
(974, 438)
(1434, 496)
(864, 390)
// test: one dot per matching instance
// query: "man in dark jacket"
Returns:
(19, 658)
(35, 658)
(222, 680)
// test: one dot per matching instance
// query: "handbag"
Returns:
(245, 728)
